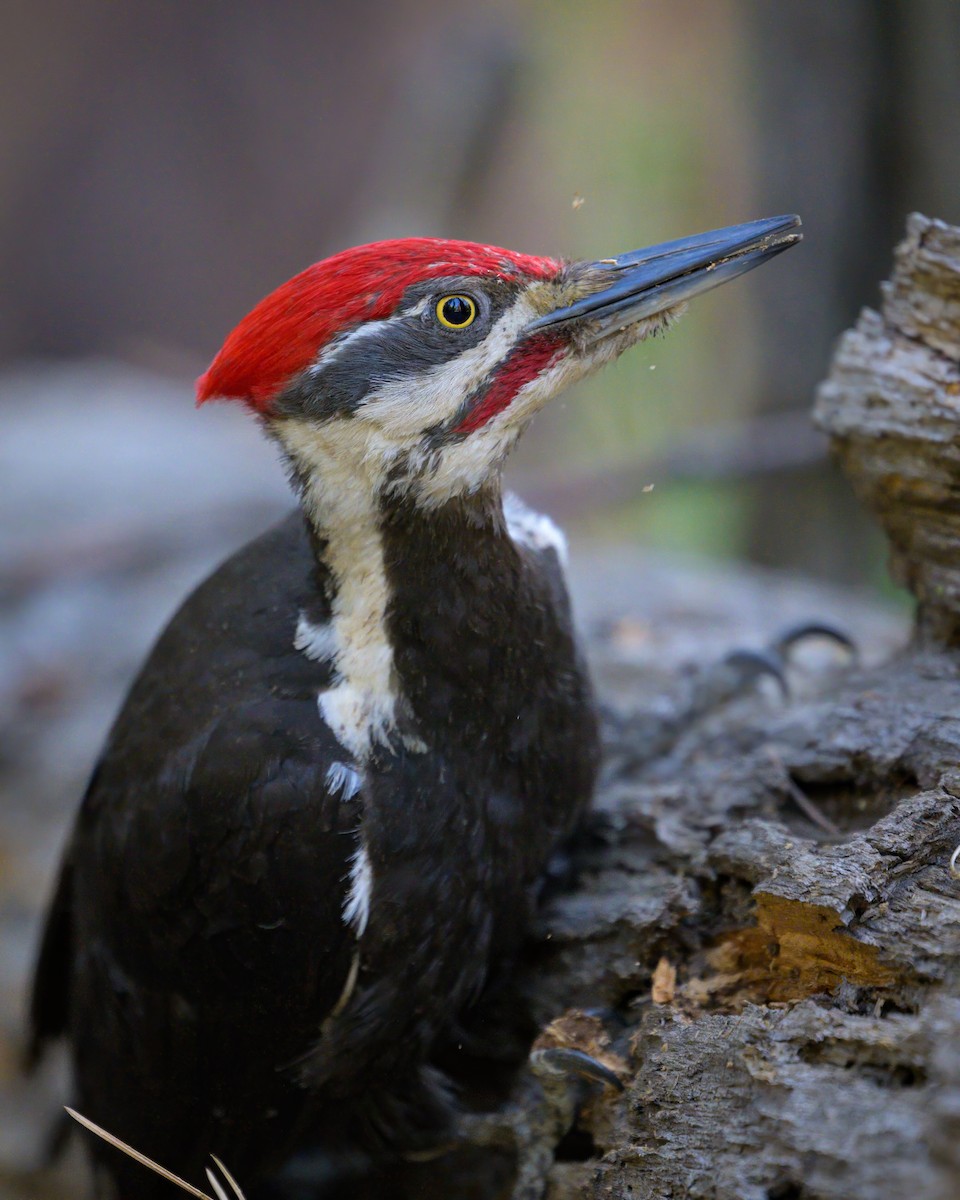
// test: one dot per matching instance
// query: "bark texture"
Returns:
(768, 909)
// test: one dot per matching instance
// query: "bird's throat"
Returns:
(411, 594)
(361, 706)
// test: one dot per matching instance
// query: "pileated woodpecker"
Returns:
(322, 815)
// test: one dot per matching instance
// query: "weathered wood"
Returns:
(807, 1047)
(892, 407)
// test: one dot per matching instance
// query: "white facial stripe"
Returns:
(366, 330)
(356, 906)
(405, 407)
(362, 449)
(463, 466)
(348, 463)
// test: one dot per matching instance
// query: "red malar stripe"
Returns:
(522, 365)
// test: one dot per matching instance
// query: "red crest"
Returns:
(288, 329)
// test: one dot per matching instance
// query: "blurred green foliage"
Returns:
(610, 120)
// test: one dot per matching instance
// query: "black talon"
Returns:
(785, 642)
(754, 664)
(560, 1062)
(731, 677)
(535, 1124)
(659, 733)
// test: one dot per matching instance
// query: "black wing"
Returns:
(196, 941)
(49, 1005)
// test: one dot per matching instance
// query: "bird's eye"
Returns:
(456, 312)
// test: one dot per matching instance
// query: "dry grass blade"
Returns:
(111, 1140)
(229, 1178)
(217, 1186)
(809, 809)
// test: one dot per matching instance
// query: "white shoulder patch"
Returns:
(533, 529)
(356, 907)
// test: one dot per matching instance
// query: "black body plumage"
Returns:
(197, 947)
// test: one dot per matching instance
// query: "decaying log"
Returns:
(786, 999)
(891, 406)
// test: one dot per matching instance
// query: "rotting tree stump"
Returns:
(789, 995)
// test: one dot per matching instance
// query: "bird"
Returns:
(320, 823)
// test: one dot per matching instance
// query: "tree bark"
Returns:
(787, 999)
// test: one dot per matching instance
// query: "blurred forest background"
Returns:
(164, 165)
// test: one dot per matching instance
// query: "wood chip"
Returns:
(664, 984)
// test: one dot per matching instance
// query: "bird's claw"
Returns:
(738, 670)
(744, 667)
(568, 1064)
(533, 1126)
(793, 634)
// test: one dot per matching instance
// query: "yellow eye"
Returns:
(456, 312)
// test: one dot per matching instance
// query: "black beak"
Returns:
(646, 282)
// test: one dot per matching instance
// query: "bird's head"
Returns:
(412, 366)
